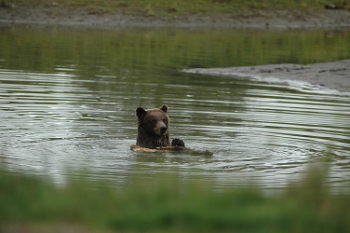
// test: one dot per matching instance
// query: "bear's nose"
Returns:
(163, 129)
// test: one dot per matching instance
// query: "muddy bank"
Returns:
(330, 75)
(255, 19)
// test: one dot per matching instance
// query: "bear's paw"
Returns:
(177, 142)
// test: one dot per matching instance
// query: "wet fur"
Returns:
(151, 122)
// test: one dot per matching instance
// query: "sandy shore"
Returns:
(258, 19)
(330, 75)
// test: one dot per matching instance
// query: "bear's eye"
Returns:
(163, 119)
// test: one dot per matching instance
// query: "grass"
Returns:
(178, 7)
(169, 204)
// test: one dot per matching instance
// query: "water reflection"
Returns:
(70, 103)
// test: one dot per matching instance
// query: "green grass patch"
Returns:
(171, 204)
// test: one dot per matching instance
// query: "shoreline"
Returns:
(328, 75)
(254, 19)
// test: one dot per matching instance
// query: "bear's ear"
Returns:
(140, 111)
(164, 108)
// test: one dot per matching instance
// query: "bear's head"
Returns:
(153, 126)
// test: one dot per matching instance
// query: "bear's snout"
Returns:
(163, 129)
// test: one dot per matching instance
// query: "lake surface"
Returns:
(68, 101)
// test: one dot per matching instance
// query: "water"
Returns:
(68, 101)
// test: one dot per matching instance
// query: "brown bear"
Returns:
(153, 128)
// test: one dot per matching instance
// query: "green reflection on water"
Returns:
(128, 51)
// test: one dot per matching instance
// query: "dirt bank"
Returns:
(330, 75)
(282, 19)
